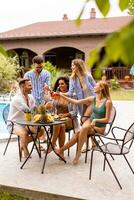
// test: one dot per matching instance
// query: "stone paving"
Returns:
(65, 181)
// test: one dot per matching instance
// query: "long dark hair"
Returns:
(65, 79)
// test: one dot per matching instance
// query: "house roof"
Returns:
(64, 28)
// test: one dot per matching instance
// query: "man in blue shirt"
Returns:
(39, 78)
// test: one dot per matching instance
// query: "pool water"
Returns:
(3, 129)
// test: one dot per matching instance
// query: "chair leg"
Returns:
(104, 164)
(68, 140)
(87, 144)
(112, 170)
(91, 162)
(7, 144)
(20, 153)
(128, 164)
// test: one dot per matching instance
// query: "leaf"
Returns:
(78, 20)
(104, 62)
(131, 7)
(3, 52)
(93, 57)
(118, 46)
(123, 4)
(114, 47)
(97, 73)
(103, 6)
(127, 37)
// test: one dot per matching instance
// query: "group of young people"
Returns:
(70, 96)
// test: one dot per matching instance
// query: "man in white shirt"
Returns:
(22, 101)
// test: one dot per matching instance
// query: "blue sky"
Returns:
(16, 13)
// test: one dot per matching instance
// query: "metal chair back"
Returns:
(129, 134)
(111, 120)
(5, 112)
(5, 117)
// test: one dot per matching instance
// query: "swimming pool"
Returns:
(3, 129)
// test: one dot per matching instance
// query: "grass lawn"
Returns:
(122, 94)
(7, 196)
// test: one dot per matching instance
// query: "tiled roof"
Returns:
(68, 28)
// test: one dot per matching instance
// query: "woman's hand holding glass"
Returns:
(46, 89)
(55, 95)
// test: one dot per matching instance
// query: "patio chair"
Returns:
(108, 129)
(5, 116)
(114, 146)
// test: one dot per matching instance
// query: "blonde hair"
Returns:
(79, 63)
(105, 89)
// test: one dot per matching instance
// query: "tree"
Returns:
(131, 7)
(119, 45)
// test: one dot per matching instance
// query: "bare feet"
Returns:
(24, 152)
(83, 150)
(89, 148)
(62, 156)
(49, 150)
(76, 160)
(60, 153)
(25, 156)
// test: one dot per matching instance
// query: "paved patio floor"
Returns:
(60, 180)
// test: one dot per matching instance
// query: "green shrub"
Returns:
(7, 196)
(54, 71)
(50, 67)
(114, 83)
(8, 71)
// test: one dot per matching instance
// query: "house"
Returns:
(60, 41)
